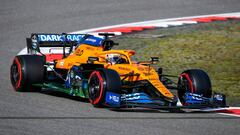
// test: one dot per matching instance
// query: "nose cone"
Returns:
(149, 73)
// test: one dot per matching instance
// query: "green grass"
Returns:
(213, 47)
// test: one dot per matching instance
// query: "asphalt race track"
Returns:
(54, 113)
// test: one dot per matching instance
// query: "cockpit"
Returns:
(116, 58)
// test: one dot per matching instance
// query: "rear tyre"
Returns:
(101, 81)
(194, 81)
(27, 70)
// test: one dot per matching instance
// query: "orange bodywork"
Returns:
(84, 51)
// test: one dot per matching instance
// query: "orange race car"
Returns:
(86, 66)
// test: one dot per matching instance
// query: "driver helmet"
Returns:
(112, 58)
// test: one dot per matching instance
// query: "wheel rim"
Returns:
(95, 87)
(16, 73)
(185, 85)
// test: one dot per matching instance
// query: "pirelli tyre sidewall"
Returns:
(27, 70)
(101, 81)
(194, 81)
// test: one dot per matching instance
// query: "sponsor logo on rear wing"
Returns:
(53, 40)
(59, 37)
(38, 40)
(59, 40)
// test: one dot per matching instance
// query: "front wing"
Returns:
(192, 101)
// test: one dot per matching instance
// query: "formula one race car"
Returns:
(84, 65)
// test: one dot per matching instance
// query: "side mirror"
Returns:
(160, 70)
(154, 59)
(92, 59)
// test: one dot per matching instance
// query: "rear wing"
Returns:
(38, 40)
(48, 43)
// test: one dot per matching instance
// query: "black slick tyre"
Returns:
(27, 70)
(194, 81)
(101, 81)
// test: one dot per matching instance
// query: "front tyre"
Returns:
(101, 81)
(27, 70)
(194, 81)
